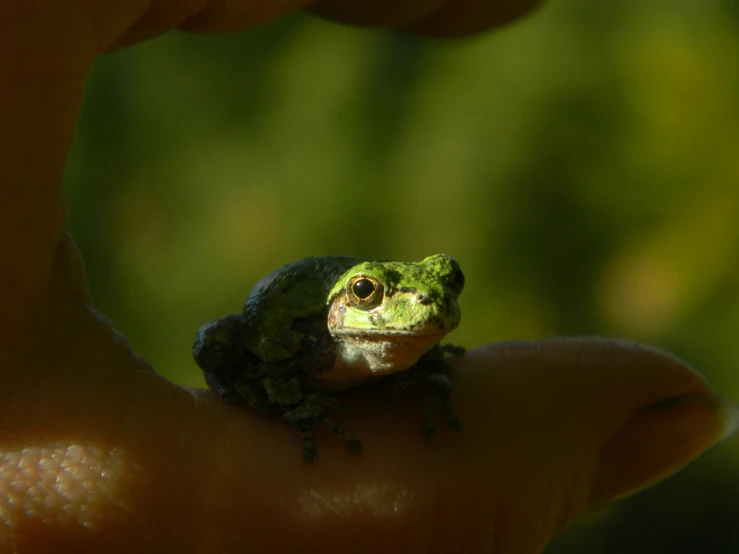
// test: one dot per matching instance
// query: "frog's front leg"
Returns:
(438, 395)
(305, 412)
(432, 372)
(311, 413)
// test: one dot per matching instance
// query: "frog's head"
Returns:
(385, 315)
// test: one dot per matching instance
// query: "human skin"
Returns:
(100, 454)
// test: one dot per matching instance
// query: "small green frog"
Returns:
(321, 325)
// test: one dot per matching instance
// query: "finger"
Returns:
(42, 67)
(642, 412)
(546, 429)
(657, 440)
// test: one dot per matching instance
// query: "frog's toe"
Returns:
(452, 421)
(310, 452)
(399, 386)
(428, 432)
(453, 350)
(353, 447)
(453, 424)
(327, 402)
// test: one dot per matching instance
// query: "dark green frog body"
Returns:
(320, 325)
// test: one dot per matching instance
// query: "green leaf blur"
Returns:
(582, 165)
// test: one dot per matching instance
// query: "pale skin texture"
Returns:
(99, 454)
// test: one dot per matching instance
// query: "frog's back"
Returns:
(295, 290)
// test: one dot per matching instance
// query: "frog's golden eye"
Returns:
(364, 292)
(363, 288)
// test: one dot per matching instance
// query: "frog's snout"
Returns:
(450, 314)
(453, 312)
(456, 278)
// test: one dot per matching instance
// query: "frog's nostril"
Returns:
(424, 299)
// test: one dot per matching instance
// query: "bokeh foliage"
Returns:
(582, 165)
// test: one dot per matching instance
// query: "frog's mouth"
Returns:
(369, 334)
(343, 319)
(361, 354)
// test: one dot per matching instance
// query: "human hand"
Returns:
(98, 453)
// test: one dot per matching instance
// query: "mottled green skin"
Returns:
(308, 329)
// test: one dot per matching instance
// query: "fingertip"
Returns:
(658, 440)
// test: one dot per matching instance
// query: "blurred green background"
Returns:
(582, 165)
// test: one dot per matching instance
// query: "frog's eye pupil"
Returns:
(363, 288)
